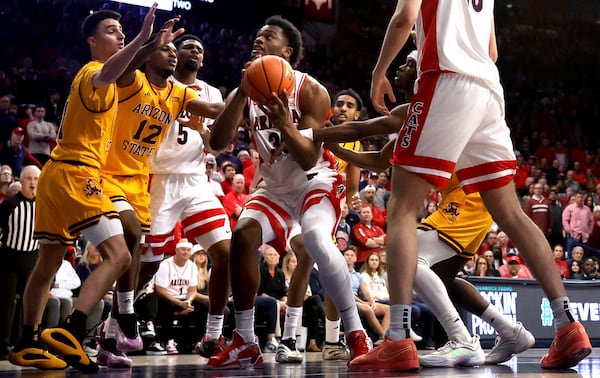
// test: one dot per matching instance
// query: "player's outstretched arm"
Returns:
(115, 65)
(371, 160)
(355, 130)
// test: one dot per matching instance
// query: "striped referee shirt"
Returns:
(17, 217)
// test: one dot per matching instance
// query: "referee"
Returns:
(18, 252)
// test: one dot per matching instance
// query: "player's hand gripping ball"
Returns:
(268, 74)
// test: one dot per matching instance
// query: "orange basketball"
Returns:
(268, 74)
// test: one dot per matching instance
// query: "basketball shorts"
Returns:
(189, 199)
(69, 199)
(134, 191)
(456, 123)
(279, 214)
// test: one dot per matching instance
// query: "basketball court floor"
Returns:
(524, 365)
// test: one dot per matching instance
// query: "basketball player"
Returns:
(82, 145)
(457, 229)
(459, 96)
(300, 192)
(149, 104)
(179, 191)
(346, 106)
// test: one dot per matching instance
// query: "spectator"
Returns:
(383, 190)
(227, 155)
(53, 107)
(578, 222)
(377, 213)
(272, 284)
(15, 154)
(234, 201)
(556, 236)
(559, 260)
(41, 134)
(426, 211)
(65, 281)
(377, 285)
(175, 285)
(6, 178)
(514, 268)
(8, 119)
(589, 269)
(366, 236)
(537, 208)
(483, 267)
(377, 315)
(249, 169)
(575, 272)
(489, 241)
(210, 163)
(228, 171)
(505, 245)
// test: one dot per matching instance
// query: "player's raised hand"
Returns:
(166, 34)
(148, 24)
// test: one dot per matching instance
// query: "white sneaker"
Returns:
(91, 352)
(271, 346)
(287, 352)
(172, 347)
(455, 353)
(505, 348)
(415, 336)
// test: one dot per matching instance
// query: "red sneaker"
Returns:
(359, 343)
(570, 345)
(388, 356)
(238, 355)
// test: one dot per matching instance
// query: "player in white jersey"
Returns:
(179, 191)
(300, 191)
(458, 95)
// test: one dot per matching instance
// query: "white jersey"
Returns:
(284, 173)
(176, 279)
(182, 150)
(454, 36)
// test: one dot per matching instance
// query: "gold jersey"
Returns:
(342, 165)
(87, 124)
(145, 114)
(462, 221)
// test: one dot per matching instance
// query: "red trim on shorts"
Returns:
(490, 168)
(161, 244)
(280, 241)
(192, 232)
(430, 58)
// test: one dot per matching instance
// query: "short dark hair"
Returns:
(292, 34)
(185, 37)
(90, 24)
(352, 93)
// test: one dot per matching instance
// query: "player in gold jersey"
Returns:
(149, 104)
(70, 198)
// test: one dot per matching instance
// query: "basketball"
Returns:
(268, 74)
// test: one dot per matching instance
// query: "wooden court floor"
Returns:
(524, 365)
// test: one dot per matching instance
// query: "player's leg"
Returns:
(318, 222)
(334, 347)
(405, 200)
(571, 338)
(287, 350)
(29, 350)
(247, 237)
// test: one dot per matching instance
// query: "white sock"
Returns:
(244, 324)
(125, 301)
(110, 328)
(214, 325)
(431, 289)
(400, 322)
(561, 307)
(502, 324)
(332, 330)
(292, 314)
